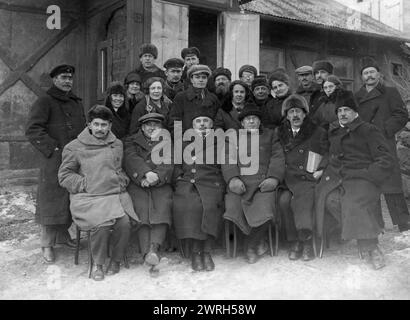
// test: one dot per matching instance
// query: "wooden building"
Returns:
(101, 38)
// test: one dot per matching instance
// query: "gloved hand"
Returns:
(317, 174)
(144, 183)
(268, 184)
(236, 186)
(152, 178)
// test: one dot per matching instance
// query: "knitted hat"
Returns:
(198, 68)
(259, 81)
(322, 65)
(174, 63)
(248, 68)
(221, 72)
(368, 62)
(152, 116)
(99, 112)
(64, 68)
(116, 88)
(132, 77)
(148, 48)
(345, 98)
(279, 75)
(190, 51)
(294, 101)
(250, 109)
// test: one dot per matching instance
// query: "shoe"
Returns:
(262, 248)
(295, 251)
(209, 264)
(113, 268)
(154, 272)
(48, 254)
(197, 262)
(307, 253)
(71, 244)
(152, 256)
(251, 256)
(377, 259)
(98, 274)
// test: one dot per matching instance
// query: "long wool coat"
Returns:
(326, 112)
(359, 161)
(384, 108)
(199, 196)
(227, 117)
(254, 208)
(300, 182)
(54, 120)
(91, 171)
(154, 204)
(272, 112)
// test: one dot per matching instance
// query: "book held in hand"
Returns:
(313, 161)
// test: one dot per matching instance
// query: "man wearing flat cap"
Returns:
(307, 85)
(383, 106)
(247, 73)
(173, 71)
(191, 57)
(55, 119)
(196, 96)
(148, 53)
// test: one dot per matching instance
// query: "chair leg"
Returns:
(314, 239)
(77, 247)
(227, 241)
(126, 264)
(322, 245)
(270, 239)
(90, 256)
(276, 239)
(235, 240)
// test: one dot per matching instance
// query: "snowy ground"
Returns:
(339, 275)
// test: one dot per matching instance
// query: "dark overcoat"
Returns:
(326, 112)
(359, 161)
(199, 195)
(227, 117)
(272, 112)
(299, 181)
(54, 120)
(145, 74)
(120, 120)
(254, 208)
(307, 92)
(384, 107)
(170, 89)
(154, 204)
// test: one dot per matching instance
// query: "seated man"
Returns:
(91, 172)
(150, 187)
(300, 138)
(349, 190)
(250, 199)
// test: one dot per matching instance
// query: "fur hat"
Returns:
(259, 81)
(248, 68)
(64, 68)
(294, 101)
(116, 88)
(99, 112)
(368, 62)
(198, 68)
(250, 109)
(279, 75)
(345, 98)
(322, 65)
(132, 77)
(221, 72)
(148, 48)
(190, 51)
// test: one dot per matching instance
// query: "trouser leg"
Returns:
(208, 244)
(367, 244)
(120, 237)
(144, 238)
(398, 209)
(304, 234)
(256, 235)
(99, 243)
(197, 245)
(287, 217)
(333, 206)
(158, 233)
(48, 236)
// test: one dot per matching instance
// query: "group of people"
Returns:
(325, 155)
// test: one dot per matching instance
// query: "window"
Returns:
(104, 67)
(397, 69)
(343, 68)
(271, 59)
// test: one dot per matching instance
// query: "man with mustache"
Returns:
(383, 106)
(348, 194)
(221, 80)
(54, 120)
(307, 85)
(191, 57)
(173, 71)
(321, 70)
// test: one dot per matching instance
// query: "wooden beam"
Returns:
(135, 31)
(115, 4)
(32, 85)
(9, 61)
(36, 10)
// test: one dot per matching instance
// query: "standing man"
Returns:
(321, 70)
(382, 106)
(191, 57)
(349, 191)
(148, 53)
(261, 91)
(54, 120)
(173, 71)
(220, 81)
(306, 84)
(247, 74)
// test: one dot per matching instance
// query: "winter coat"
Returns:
(199, 196)
(359, 161)
(170, 89)
(316, 101)
(147, 106)
(91, 172)
(308, 92)
(154, 204)
(300, 182)
(384, 108)
(227, 117)
(187, 102)
(326, 112)
(145, 74)
(131, 102)
(254, 208)
(54, 120)
(272, 112)
(120, 121)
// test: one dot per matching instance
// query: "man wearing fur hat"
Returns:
(54, 120)
(307, 85)
(191, 57)
(383, 106)
(196, 96)
(148, 53)
(247, 74)
(348, 194)
(321, 70)
(300, 137)
(173, 71)
(220, 81)
(260, 89)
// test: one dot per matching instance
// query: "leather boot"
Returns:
(251, 256)
(152, 256)
(377, 259)
(209, 264)
(113, 268)
(48, 254)
(197, 261)
(295, 251)
(98, 274)
(308, 253)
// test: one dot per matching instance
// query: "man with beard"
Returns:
(148, 53)
(321, 70)
(306, 84)
(191, 57)
(54, 120)
(247, 74)
(220, 80)
(173, 71)
(260, 89)
(383, 106)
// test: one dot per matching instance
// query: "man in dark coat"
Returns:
(349, 190)
(261, 91)
(173, 71)
(219, 83)
(191, 57)
(321, 70)
(250, 198)
(54, 120)
(307, 85)
(382, 106)
(148, 53)
(197, 96)
(301, 141)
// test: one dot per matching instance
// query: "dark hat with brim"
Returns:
(322, 65)
(64, 68)
(190, 51)
(294, 101)
(250, 109)
(345, 98)
(153, 116)
(99, 112)
(132, 77)
(174, 63)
